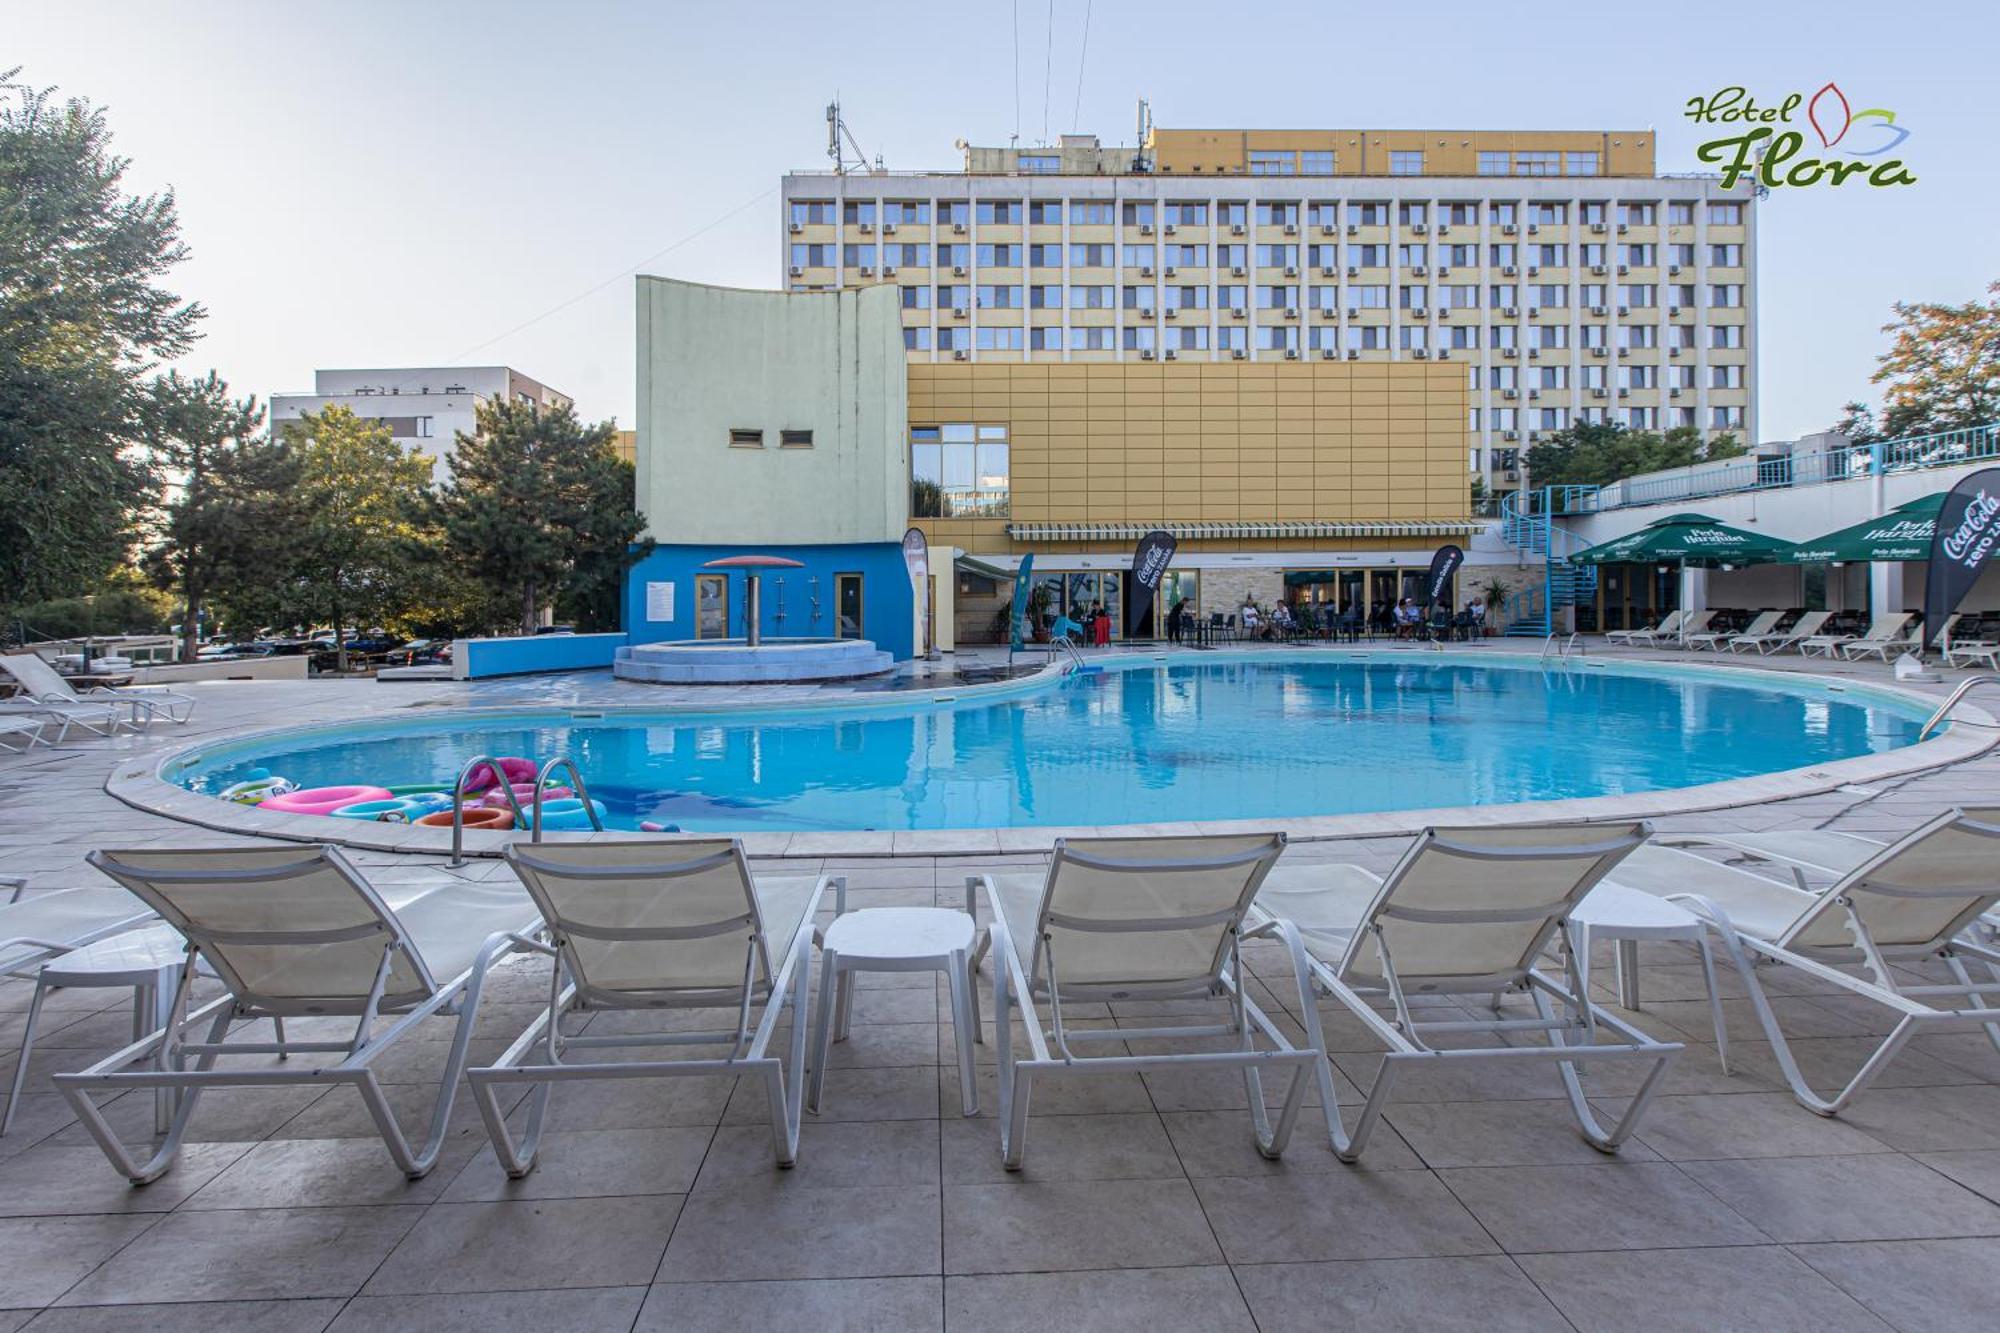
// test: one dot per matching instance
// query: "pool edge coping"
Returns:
(1973, 732)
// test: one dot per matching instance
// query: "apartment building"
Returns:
(425, 408)
(1559, 272)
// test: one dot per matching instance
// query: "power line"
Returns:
(1076, 112)
(1048, 68)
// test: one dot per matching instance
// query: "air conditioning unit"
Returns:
(1597, 270)
(1622, 229)
(1509, 271)
(961, 355)
(1510, 312)
(1353, 271)
(1534, 312)
(796, 228)
(1329, 354)
(1534, 394)
(1171, 354)
(1444, 354)
(1326, 229)
(867, 270)
(1419, 229)
(1624, 352)
(1421, 353)
(958, 312)
(1673, 268)
(1291, 312)
(1145, 270)
(1534, 270)
(794, 271)
(888, 270)
(1510, 393)
(1624, 310)
(1146, 354)
(867, 229)
(1173, 314)
(1534, 229)
(1511, 353)
(1353, 354)
(958, 229)
(1291, 271)
(1673, 393)
(1597, 351)
(1291, 354)
(1236, 312)
(1327, 271)
(1674, 352)
(1237, 354)
(1444, 271)
(1171, 270)
(958, 270)
(1598, 311)
(1353, 229)
(1597, 393)
(1623, 270)
(1534, 354)
(1145, 229)
(1236, 270)
(1418, 271)
(1173, 230)
(1291, 229)
(1510, 435)
(1508, 229)
(1534, 435)
(1624, 393)
(888, 229)
(1444, 229)
(1236, 229)
(1512, 473)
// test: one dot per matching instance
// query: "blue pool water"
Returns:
(1190, 739)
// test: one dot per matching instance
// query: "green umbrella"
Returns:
(1904, 533)
(1687, 539)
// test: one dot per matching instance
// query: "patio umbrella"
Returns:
(1904, 533)
(1689, 540)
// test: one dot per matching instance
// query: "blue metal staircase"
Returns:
(1527, 522)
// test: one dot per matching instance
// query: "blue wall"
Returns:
(476, 658)
(887, 602)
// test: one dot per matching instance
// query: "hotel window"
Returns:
(1371, 297)
(1045, 212)
(1681, 296)
(1680, 254)
(856, 256)
(1323, 338)
(1188, 298)
(1323, 297)
(1725, 256)
(1188, 256)
(1090, 213)
(1139, 338)
(1639, 294)
(916, 340)
(1497, 377)
(1504, 254)
(1458, 297)
(1550, 418)
(1096, 339)
(1368, 256)
(1323, 256)
(1725, 418)
(1551, 336)
(1091, 255)
(1231, 256)
(1639, 335)
(1045, 298)
(1492, 164)
(1277, 298)
(1580, 164)
(1277, 215)
(1277, 256)
(1502, 214)
(1506, 418)
(1680, 213)
(999, 256)
(812, 212)
(1590, 253)
(1368, 338)
(957, 339)
(954, 255)
(1593, 336)
(1724, 296)
(1413, 337)
(1045, 256)
(998, 212)
(1550, 377)
(912, 256)
(1725, 377)
(1546, 296)
(1639, 377)
(1140, 299)
(1044, 338)
(1537, 164)
(1093, 297)
(991, 339)
(1642, 418)
(916, 298)
(1040, 163)
(812, 256)
(954, 298)
(1638, 256)
(1277, 337)
(1637, 215)
(1459, 215)
(1403, 162)
(990, 297)
(1232, 298)
(1681, 335)
(795, 439)
(1725, 335)
(1411, 215)
(1316, 162)
(913, 211)
(953, 212)
(1548, 215)
(1187, 213)
(1138, 213)
(1270, 162)
(1591, 213)
(1725, 215)
(1368, 215)
(1459, 335)
(1141, 256)
(1412, 298)
(1682, 416)
(1454, 255)
(1506, 335)
(857, 211)
(1324, 214)
(1553, 256)
(1191, 339)
(958, 471)
(1681, 377)
(1413, 256)
(1232, 338)
(742, 437)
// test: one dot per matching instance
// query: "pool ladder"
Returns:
(521, 819)
(1944, 709)
(1072, 657)
(1573, 643)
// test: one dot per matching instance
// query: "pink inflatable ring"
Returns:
(322, 800)
(516, 770)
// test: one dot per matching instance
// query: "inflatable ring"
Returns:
(322, 800)
(568, 813)
(424, 802)
(476, 816)
(392, 811)
(524, 792)
(513, 769)
(252, 791)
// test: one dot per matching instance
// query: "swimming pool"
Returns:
(1192, 737)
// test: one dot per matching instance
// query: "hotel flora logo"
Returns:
(1770, 151)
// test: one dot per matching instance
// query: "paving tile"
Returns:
(1063, 1225)
(831, 1156)
(1929, 1119)
(756, 1233)
(1749, 1124)
(1977, 1171)
(52, 1181)
(1507, 1133)
(1626, 1205)
(1219, 1143)
(46, 1255)
(830, 1305)
(289, 1316)
(1136, 1300)
(320, 1173)
(1343, 1215)
(1477, 1294)
(493, 1312)
(223, 1115)
(903, 1093)
(1876, 1197)
(588, 1163)
(1696, 1291)
(1922, 1286)
(247, 1255)
(1064, 1147)
(529, 1244)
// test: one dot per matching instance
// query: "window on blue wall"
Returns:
(959, 470)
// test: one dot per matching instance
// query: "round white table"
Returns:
(897, 939)
(1629, 917)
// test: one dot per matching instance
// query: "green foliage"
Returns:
(539, 510)
(116, 610)
(1942, 369)
(82, 320)
(1592, 454)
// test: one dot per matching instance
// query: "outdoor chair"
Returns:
(1466, 912)
(1881, 629)
(1669, 624)
(47, 925)
(21, 732)
(46, 685)
(1137, 919)
(1776, 641)
(1714, 640)
(1905, 906)
(1912, 642)
(1692, 623)
(651, 925)
(99, 719)
(296, 931)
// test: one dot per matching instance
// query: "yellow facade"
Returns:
(1366, 152)
(1153, 443)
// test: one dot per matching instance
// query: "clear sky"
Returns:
(410, 182)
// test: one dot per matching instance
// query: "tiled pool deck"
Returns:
(1143, 1205)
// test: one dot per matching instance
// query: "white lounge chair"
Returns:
(47, 925)
(1913, 642)
(1766, 622)
(99, 719)
(1806, 628)
(1881, 629)
(1968, 652)
(297, 931)
(21, 732)
(1908, 904)
(46, 685)
(1669, 624)
(1692, 623)
(1467, 911)
(1137, 919)
(662, 925)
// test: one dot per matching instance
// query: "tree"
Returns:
(1599, 453)
(82, 320)
(540, 508)
(357, 514)
(227, 514)
(1943, 367)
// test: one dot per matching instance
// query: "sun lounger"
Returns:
(1908, 904)
(1880, 630)
(46, 685)
(1913, 642)
(21, 732)
(1692, 623)
(296, 931)
(1138, 919)
(654, 925)
(1716, 640)
(99, 719)
(1776, 641)
(34, 929)
(1670, 624)
(1467, 912)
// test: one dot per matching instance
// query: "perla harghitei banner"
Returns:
(1968, 532)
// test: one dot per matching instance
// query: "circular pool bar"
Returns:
(740, 662)
(1282, 735)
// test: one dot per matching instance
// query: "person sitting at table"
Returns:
(1253, 624)
(1282, 621)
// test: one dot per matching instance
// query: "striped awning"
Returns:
(1112, 532)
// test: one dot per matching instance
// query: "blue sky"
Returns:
(376, 183)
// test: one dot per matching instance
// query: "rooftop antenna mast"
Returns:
(1145, 133)
(841, 147)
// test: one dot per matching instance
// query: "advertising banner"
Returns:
(1443, 565)
(917, 556)
(1149, 565)
(1023, 580)
(1968, 530)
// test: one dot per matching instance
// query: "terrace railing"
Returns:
(1951, 448)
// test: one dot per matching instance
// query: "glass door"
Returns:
(711, 606)
(847, 606)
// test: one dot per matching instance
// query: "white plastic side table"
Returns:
(897, 939)
(1629, 917)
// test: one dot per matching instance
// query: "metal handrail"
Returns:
(576, 780)
(1075, 654)
(1574, 641)
(458, 802)
(1944, 709)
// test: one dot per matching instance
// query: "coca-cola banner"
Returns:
(1968, 531)
(1149, 566)
(1443, 565)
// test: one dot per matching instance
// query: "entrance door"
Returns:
(711, 606)
(847, 606)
